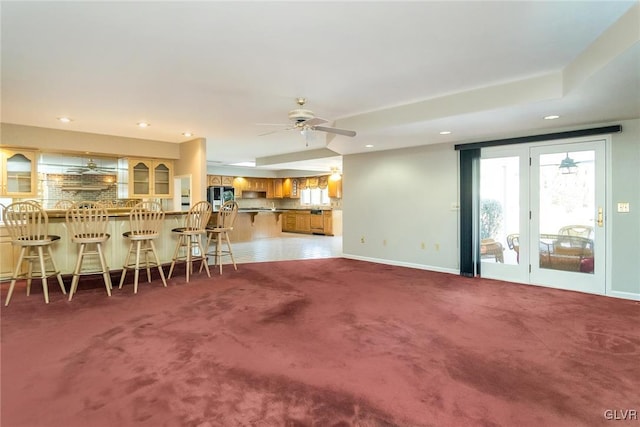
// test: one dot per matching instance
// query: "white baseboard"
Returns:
(402, 264)
(624, 295)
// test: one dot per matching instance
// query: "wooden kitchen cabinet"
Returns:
(317, 223)
(303, 222)
(327, 219)
(220, 181)
(8, 254)
(297, 222)
(328, 223)
(277, 188)
(290, 188)
(274, 188)
(214, 180)
(289, 222)
(149, 178)
(18, 173)
(335, 188)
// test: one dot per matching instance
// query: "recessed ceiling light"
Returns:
(143, 124)
(552, 117)
(445, 132)
(65, 119)
(187, 134)
(369, 146)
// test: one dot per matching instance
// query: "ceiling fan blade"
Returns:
(335, 130)
(312, 122)
(274, 131)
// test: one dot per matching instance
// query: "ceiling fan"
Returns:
(91, 168)
(304, 121)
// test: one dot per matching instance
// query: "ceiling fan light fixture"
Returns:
(568, 165)
(335, 174)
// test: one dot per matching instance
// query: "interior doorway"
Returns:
(541, 216)
(182, 195)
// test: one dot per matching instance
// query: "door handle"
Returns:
(600, 217)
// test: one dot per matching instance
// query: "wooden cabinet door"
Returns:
(316, 223)
(227, 181)
(327, 217)
(18, 173)
(269, 188)
(335, 188)
(277, 188)
(286, 187)
(162, 179)
(289, 223)
(8, 254)
(303, 222)
(214, 180)
(140, 171)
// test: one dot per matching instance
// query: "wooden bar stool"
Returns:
(87, 223)
(145, 220)
(220, 234)
(190, 237)
(28, 226)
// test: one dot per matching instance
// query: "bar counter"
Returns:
(249, 225)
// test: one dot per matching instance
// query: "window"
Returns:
(315, 196)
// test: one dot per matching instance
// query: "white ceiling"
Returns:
(397, 73)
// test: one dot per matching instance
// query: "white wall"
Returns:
(624, 184)
(406, 197)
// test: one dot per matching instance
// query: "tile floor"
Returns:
(288, 247)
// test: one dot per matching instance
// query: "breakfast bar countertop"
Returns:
(111, 212)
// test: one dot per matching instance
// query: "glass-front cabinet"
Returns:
(162, 179)
(150, 178)
(140, 182)
(17, 173)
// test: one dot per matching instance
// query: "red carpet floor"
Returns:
(331, 342)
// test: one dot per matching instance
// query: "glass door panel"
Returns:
(141, 180)
(499, 208)
(567, 225)
(19, 170)
(501, 215)
(161, 179)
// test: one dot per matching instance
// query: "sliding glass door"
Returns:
(541, 215)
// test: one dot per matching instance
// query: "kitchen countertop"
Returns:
(258, 210)
(112, 213)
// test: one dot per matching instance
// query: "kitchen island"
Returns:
(252, 224)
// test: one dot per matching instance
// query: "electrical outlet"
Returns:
(436, 246)
(422, 246)
(362, 239)
(384, 242)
